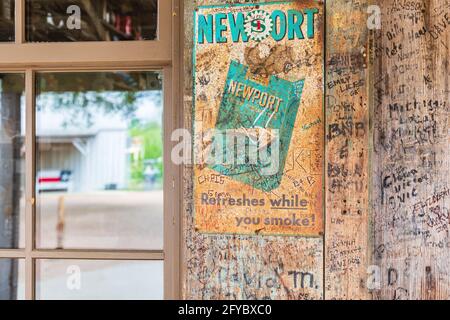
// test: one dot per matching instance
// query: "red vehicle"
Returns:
(54, 180)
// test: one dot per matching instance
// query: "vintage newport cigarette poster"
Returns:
(259, 119)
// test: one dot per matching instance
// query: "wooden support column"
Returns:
(347, 252)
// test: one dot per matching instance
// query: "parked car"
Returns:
(54, 180)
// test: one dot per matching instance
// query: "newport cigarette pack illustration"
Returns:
(262, 112)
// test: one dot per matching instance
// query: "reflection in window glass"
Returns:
(6, 20)
(91, 20)
(99, 157)
(99, 280)
(12, 279)
(12, 160)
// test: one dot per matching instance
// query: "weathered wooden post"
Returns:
(411, 162)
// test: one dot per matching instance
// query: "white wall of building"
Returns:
(101, 161)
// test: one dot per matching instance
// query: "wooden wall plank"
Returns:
(347, 173)
(387, 174)
(411, 177)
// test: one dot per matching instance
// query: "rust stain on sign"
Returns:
(258, 81)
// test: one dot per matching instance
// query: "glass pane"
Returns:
(6, 20)
(12, 160)
(91, 20)
(99, 160)
(99, 280)
(12, 279)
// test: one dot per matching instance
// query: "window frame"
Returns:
(90, 53)
(162, 55)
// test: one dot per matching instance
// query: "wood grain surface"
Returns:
(387, 171)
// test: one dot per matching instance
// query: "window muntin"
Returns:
(91, 20)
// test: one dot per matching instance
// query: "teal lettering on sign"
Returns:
(279, 21)
(256, 25)
(250, 104)
(205, 28)
(237, 27)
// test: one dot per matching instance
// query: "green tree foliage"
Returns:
(150, 137)
(80, 107)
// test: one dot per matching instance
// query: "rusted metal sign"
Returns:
(258, 118)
